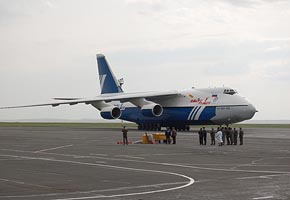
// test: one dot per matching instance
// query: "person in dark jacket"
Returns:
(125, 135)
(235, 136)
(231, 134)
(241, 136)
(204, 133)
(200, 134)
(173, 135)
(212, 136)
(227, 132)
(167, 135)
(223, 135)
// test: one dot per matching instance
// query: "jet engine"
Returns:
(152, 110)
(111, 112)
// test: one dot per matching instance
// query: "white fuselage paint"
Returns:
(230, 108)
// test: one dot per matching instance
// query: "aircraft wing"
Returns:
(123, 97)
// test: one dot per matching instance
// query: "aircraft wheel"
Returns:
(159, 127)
(152, 127)
(139, 127)
(155, 127)
(142, 126)
(147, 126)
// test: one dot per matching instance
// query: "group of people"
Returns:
(222, 135)
(170, 132)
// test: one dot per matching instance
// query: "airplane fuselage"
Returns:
(192, 107)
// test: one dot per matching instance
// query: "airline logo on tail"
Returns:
(108, 81)
(102, 80)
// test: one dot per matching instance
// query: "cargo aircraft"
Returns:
(153, 110)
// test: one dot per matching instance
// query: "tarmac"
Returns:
(50, 163)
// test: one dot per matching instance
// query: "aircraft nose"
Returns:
(251, 110)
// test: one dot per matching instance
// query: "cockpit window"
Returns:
(230, 91)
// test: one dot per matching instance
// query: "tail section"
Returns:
(108, 81)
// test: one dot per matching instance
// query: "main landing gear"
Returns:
(157, 127)
(183, 128)
(149, 127)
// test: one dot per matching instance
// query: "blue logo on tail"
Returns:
(108, 81)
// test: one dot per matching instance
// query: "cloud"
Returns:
(276, 70)
(241, 3)
(173, 44)
(11, 11)
(278, 47)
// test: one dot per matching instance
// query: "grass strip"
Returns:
(119, 125)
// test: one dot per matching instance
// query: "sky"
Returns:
(48, 49)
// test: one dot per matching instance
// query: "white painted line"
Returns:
(129, 194)
(190, 180)
(221, 169)
(23, 183)
(164, 154)
(10, 159)
(94, 191)
(265, 176)
(268, 197)
(60, 147)
(166, 164)
(133, 157)
(95, 154)
(157, 163)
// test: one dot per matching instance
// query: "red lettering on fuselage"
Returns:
(199, 100)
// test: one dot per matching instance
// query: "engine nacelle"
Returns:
(111, 112)
(152, 110)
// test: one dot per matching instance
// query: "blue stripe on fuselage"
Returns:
(174, 114)
(207, 113)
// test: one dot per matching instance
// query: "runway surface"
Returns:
(86, 163)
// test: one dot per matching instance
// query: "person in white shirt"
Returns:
(219, 136)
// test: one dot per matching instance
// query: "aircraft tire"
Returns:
(155, 127)
(149, 127)
(146, 126)
(158, 127)
(142, 126)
